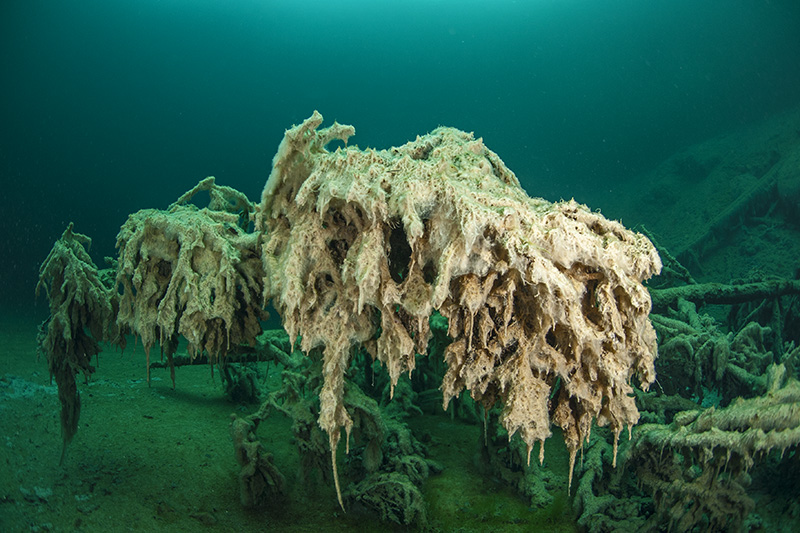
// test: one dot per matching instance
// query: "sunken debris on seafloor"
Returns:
(546, 313)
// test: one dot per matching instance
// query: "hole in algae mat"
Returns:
(399, 252)
(464, 496)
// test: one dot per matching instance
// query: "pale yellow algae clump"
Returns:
(191, 272)
(545, 303)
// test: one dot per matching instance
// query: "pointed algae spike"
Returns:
(333, 440)
(336, 479)
(572, 453)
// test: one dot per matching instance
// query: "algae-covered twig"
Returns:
(260, 481)
(719, 293)
(697, 466)
(672, 268)
(221, 198)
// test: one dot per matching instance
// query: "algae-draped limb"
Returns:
(82, 314)
(362, 246)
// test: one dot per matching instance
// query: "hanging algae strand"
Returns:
(535, 293)
(82, 310)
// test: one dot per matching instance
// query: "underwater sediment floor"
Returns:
(154, 458)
